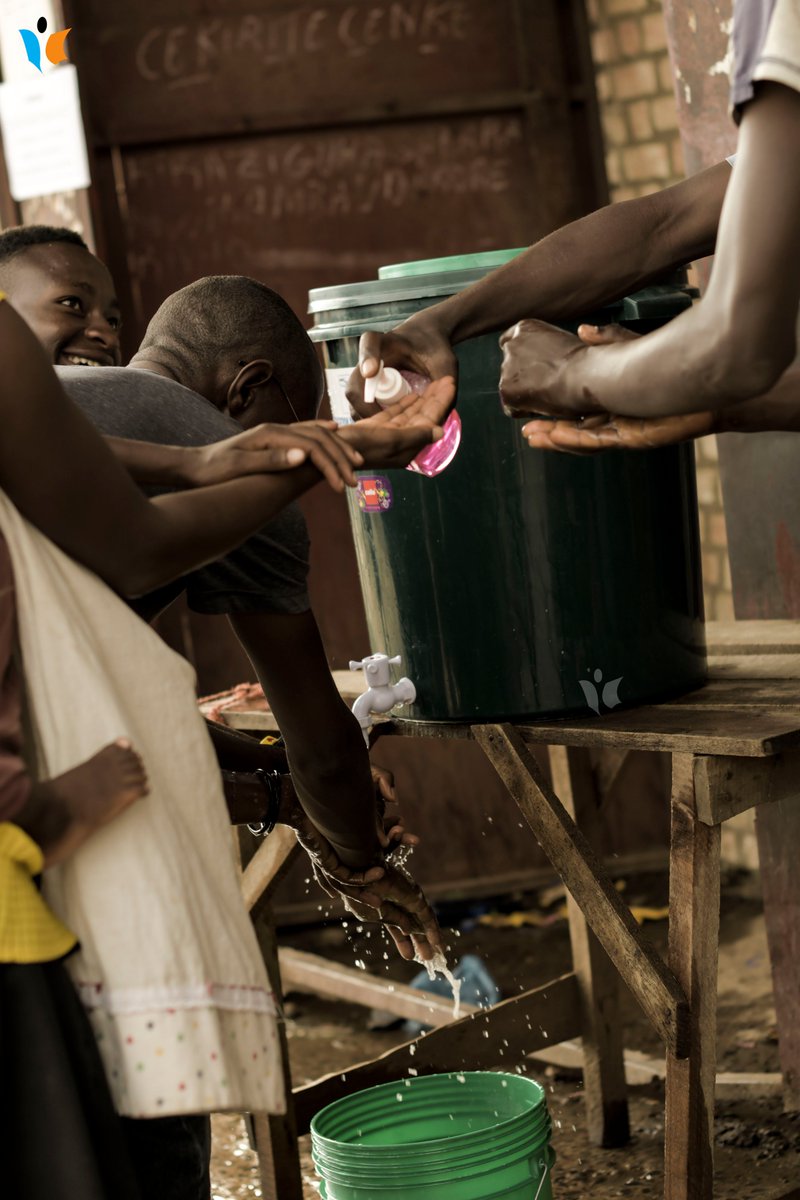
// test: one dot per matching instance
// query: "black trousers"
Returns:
(60, 1138)
(170, 1156)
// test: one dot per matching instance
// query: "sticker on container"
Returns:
(374, 493)
(336, 378)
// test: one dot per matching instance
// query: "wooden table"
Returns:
(735, 745)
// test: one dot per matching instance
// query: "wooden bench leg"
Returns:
(778, 828)
(275, 1137)
(605, 1091)
(693, 956)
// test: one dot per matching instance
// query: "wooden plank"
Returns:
(693, 954)
(275, 1136)
(753, 637)
(677, 729)
(268, 864)
(488, 1038)
(756, 666)
(727, 786)
(642, 969)
(667, 727)
(605, 1092)
(642, 1069)
(778, 834)
(744, 693)
(310, 972)
(175, 68)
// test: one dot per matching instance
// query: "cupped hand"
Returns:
(392, 437)
(593, 435)
(598, 434)
(400, 904)
(537, 373)
(417, 345)
(280, 448)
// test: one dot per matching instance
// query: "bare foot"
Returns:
(63, 812)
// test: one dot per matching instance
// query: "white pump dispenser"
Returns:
(386, 387)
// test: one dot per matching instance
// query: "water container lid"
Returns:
(486, 260)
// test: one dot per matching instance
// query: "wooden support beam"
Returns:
(268, 865)
(492, 1037)
(727, 786)
(693, 954)
(312, 973)
(777, 830)
(654, 987)
(605, 1092)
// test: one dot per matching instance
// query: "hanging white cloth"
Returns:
(169, 967)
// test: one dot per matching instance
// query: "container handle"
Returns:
(542, 1181)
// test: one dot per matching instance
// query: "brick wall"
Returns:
(643, 154)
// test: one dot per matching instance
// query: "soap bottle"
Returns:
(389, 386)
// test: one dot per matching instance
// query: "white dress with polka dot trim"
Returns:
(169, 967)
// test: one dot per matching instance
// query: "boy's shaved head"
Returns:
(209, 330)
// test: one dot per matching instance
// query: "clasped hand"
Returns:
(383, 893)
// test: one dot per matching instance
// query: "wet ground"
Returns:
(757, 1145)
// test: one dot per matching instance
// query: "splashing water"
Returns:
(439, 963)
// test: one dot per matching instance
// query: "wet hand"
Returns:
(400, 904)
(539, 372)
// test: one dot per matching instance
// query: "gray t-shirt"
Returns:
(268, 572)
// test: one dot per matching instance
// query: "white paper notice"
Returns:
(43, 137)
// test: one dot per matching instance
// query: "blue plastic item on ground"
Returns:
(477, 987)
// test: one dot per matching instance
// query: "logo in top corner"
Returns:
(54, 50)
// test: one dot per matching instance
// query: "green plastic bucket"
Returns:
(471, 1135)
(519, 583)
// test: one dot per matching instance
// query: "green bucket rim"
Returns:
(517, 1082)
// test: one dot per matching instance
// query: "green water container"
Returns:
(468, 1135)
(519, 583)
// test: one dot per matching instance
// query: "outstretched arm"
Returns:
(56, 469)
(735, 344)
(590, 262)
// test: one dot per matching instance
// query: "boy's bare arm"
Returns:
(571, 271)
(264, 448)
(55, 467)
(326, 749)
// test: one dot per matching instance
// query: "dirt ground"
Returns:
(757, 1145)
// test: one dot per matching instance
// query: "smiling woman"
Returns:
(64, 293)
